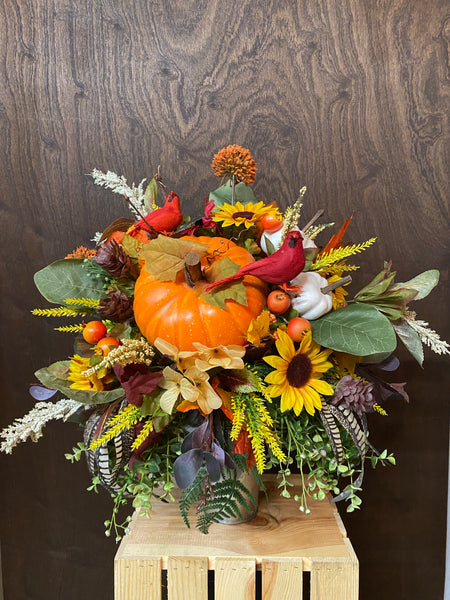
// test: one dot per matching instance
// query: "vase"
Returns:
(249, 481)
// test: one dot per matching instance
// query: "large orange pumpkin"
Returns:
(178, 314)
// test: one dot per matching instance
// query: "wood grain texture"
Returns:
(349, 98)
(282, 579)
(234, 576)
(278, 531)
(187, 578)
(137, 579)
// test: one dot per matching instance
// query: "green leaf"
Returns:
(423, 283)
(239, 381)
(235, 290)
(242, 193)
(164, 257)
(131, 245)
(55, 378)
(377, 286)
(270, 247)
(411, 339)
(150, 195)
(310, 257)
(357, 329)
(67, 278)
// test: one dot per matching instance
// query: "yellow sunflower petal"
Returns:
(277, 363)
(321, 386)
(285, 345)
(275, 377)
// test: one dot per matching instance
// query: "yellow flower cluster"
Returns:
(138, 352)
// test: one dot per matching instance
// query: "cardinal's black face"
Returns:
(294, 238)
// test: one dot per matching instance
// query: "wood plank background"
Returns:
(349, 98)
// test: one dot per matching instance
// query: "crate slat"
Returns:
(137, 579)
(234, 578)
(282, 579)
(187, 578)
(334, 580)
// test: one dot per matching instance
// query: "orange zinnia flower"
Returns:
(82, 252)
(235, 161)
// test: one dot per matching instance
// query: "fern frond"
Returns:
(125, 419)
(60, 311)
(338, 254)
(70, 328)
(84, 302)
(192, 495)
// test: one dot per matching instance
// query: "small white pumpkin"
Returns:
(310, 302)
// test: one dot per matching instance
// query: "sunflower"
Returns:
(243, 214)
(235, 161)
(338, 293)
(297, 375)
(78, 365)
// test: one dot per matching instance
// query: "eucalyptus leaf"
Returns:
(242, 193)
(411, 339)
(423, 283)
(55, 377)
(67, 278)
(358, 329)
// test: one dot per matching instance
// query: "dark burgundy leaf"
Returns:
(219, 454)
(187, 442)
(212, 467)
(137, 380)
(186, 467)
(200, 435)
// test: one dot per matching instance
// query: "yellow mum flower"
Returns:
(297, 374)
(243, 214)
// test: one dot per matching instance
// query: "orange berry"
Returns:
(297, 327)
(94, 331)
(271, 222)
(278, 302)
(103, 346)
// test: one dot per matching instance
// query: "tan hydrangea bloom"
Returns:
(227, 357)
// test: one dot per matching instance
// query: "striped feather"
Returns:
(349, 422)
(333, 432)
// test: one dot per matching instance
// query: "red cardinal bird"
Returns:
(280, 267)
(165, 219)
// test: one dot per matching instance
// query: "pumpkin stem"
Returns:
(192, 268)
(332, 286)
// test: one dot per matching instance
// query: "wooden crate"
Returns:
(281, 543)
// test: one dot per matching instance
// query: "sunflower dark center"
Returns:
(243, 214)
(299, 370)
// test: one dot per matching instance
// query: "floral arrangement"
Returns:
(214, 346)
